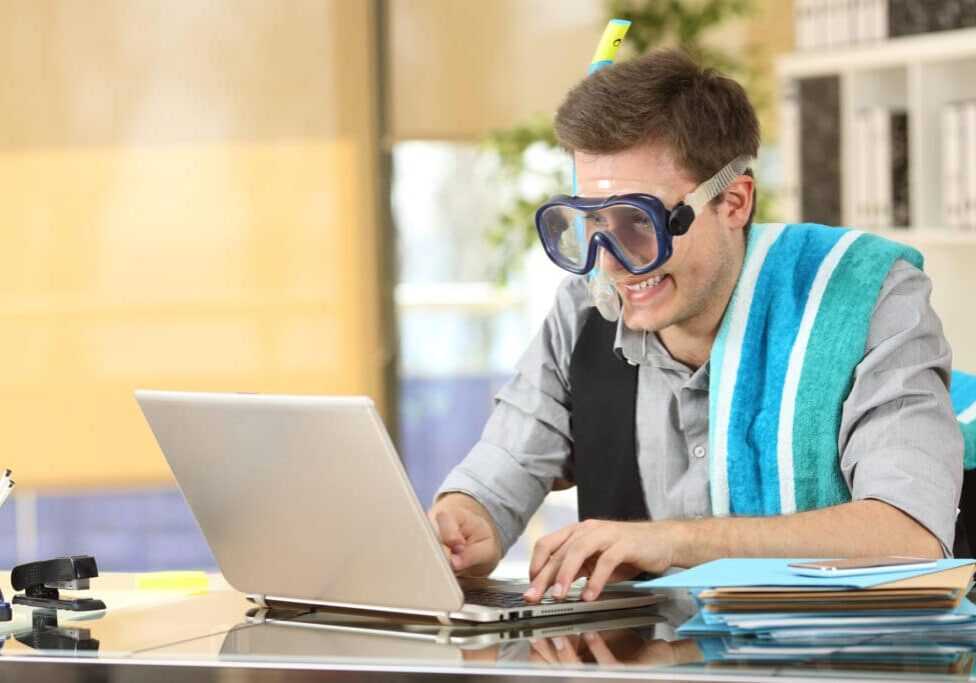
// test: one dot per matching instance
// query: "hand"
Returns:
(601, 550)
(467, 533)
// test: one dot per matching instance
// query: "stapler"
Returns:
(40, 582)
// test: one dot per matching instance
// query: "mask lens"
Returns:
(568, 232)
(633, 231)
(564, 229)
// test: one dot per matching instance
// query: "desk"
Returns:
(220, 637)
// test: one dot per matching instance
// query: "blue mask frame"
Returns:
(666, 224)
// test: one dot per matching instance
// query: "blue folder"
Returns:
(764, 572)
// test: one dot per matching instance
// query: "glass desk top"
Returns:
(205, 636)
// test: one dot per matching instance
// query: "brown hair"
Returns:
(704, 118)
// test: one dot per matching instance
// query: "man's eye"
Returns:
(641, 221)
(596, 219)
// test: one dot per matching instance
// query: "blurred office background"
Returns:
(294, 197)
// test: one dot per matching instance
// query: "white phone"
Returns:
(860, 565)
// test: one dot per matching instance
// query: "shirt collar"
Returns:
(644, 348)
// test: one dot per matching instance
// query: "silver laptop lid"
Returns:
(303, 497)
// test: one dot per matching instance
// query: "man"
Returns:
(656, 130)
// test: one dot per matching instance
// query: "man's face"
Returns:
(695, 283)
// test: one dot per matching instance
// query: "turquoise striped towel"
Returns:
(783, 362)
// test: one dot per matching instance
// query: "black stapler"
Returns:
(40, 582)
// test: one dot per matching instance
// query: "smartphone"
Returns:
(860, 565)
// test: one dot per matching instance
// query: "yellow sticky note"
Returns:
(185, 581)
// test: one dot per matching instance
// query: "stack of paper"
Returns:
(757, 610)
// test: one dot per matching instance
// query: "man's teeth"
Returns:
(646, 284)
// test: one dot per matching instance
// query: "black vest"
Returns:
(602, 421)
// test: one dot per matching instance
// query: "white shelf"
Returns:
(920, 75)
(930, 237)
(917, 74)
(929, 47)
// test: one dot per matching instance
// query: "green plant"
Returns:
(685, 24)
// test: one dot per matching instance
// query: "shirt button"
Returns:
(699, 451)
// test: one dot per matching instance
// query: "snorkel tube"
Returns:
(602, 291)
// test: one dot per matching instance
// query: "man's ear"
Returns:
(739, 197)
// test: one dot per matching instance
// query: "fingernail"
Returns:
(589, 636)
(457, 549)
(558, 642)
(455, 561)
(531, 593)
(557, 590)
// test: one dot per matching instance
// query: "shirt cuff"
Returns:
(917, 497)
(495, 479)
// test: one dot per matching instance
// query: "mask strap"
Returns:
(706, 192)
(713, 187)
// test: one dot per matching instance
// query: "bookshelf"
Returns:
(918, 75)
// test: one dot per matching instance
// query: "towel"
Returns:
(963, 395)
(783, 362)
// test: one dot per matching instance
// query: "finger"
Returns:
(578, 551)
(474, 528)
(452, 541)
(546, 546)
(449, 530)
(598, 648)
(565, 651)
(609, 560)
(543, 579)
(543, 648)
(473, 555)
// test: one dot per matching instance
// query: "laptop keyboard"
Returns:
(504, 599)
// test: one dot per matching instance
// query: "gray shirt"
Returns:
(899, 441)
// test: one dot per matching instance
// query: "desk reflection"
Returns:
(615, 647)
(627, 637)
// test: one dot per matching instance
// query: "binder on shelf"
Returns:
(839, 22)
(881, 168)
(952, 160)
(968, 116)
(802, 12)
(879, 19)
(894, 132)
(862, 25)
(789, 112)
(820, 149)
(863, 180)
(817, 23)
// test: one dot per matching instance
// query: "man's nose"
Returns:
(608, 263)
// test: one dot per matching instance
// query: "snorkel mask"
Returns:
(636, 228)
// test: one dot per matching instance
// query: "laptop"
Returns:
(303, 500)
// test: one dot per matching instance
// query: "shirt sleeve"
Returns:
(899, 441)
(526, 442)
